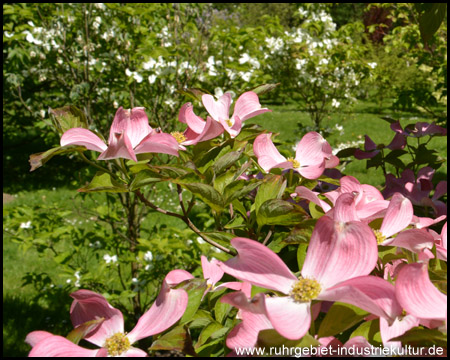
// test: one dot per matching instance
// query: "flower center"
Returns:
(117, 344)
(229, 122)
(178, 136)
(380, 237)
(305, 290)
(295, 163)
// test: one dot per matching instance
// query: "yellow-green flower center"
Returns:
(117, 344)
(229, 122)
(295, 163)
(380, 237)
(178, 136)
(305, 290)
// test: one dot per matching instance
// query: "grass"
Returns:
(24, 311)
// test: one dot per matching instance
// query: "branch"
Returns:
(186, 220)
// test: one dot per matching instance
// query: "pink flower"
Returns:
(198, 130)
(167, 309)
(130, 134)
(247, 106)
(399, 215)
(417, 295)
(418, 190)
(311, 156)
(338, 256)
(212, 273)
(419, 129)
(371, 149)
(441, 245)
(368, 200)
(253, 315)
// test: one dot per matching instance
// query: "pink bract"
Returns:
(130, 134)
(337, 251)
(198, 130)
(247, 106)
(311, 156)
(167, 309)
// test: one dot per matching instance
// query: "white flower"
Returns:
(245, 75)
(30, 38)
(218, 92)
(78, 277)
(42, 112)
(149, 64)
(200, 240)
(170, 103)
(115, 104)
(244, 58)
(340, 128)
(323, 62)
(148, 256)
(109, 259)
(138, 77)
(372, 65)
(152, 79)
(26, 225)
(335, 103)
(302, 12)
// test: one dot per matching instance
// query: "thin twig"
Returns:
(186, 220)
(269, 234)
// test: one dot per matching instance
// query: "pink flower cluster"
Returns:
(130, 133)
(341, 259)
(342, 253)
(109, 334)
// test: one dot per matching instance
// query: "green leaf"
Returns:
(272, 187)
(171, 171)
(194, 93)
(195, 289)
(206, 193)
(226, 161)
(344, 153)
(301, 255)
(82, 330)
(213, 331)
(223, 180)
(315, 210)
(238, 189)
(280, 212)
(176, 339)
(329, 180)
(423, 337)
(145, 177)
(39, 159)
(431, 20)
(369, 330)
(270, 338)
(201, 319)
(102, 182)
(220, 237)
(221, 310)
(264, 88)
(67, 117)
(339, 318)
